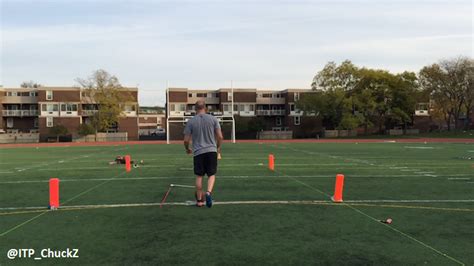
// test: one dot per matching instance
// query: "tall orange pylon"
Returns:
(271, 162)
(338, 188)
(53, 193)
(128, 166)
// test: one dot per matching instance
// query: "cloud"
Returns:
(206, 44)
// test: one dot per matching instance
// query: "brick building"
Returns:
(271, 110)
(25, 110)
(151, 121)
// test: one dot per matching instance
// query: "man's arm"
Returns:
(219, 139)
(187, 140)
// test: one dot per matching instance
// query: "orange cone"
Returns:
(271, 162)
(338, 189)
(53, 193)
(128, 166)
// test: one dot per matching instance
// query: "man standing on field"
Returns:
(205, 133)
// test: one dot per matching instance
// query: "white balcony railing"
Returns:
(130, 113)
(20, 112)
(49, 113)
(69, 113)
(246, 113)
(177, 113)
(270, 112)
(88, 112)
(422, 113)
(296, 113)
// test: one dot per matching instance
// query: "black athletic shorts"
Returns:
(205, 164)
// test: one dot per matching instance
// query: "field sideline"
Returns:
(260, 217)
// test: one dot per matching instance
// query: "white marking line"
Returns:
(305, 166)
(419, 147)
(66, 160)
(430, 175)
(376, 220)
(218, 177)
(246, 202)
(459, 178)
(46, 211)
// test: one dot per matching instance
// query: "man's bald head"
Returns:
(199, 106)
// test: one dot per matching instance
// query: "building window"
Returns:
(50, 107)
(49, 95)
(190, 95)
(49, 121)
(172, 107)
(251, 108)
(182, 107)
(10, 122)
(278, 121)
(236, 108)
(202, 95)
(297, 96)
(35, 123)
(297, 120)
(292, 107)
(33, 93)
(68, 107)
(129, 108)
(225, 107)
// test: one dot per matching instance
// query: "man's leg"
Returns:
(210, 183)
(211, 169)
(199, 193)
(199, 172)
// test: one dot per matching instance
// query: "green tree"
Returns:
(469, 90)
(85, 129)
(58, 131)
(349, 121)
(30, 84)
(105, 91)
(449, 85)
(334, 86)
(256, 124)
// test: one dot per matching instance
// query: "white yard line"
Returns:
(241, 202)
(420, 147)
(21, 169)
(218, 177)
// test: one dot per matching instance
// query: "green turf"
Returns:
(256, 234)
(453, 134)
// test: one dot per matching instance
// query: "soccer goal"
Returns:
(182, 120)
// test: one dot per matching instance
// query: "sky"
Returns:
(267, 44)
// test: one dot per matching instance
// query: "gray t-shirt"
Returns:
(202, 128)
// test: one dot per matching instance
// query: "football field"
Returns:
(260, 216)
